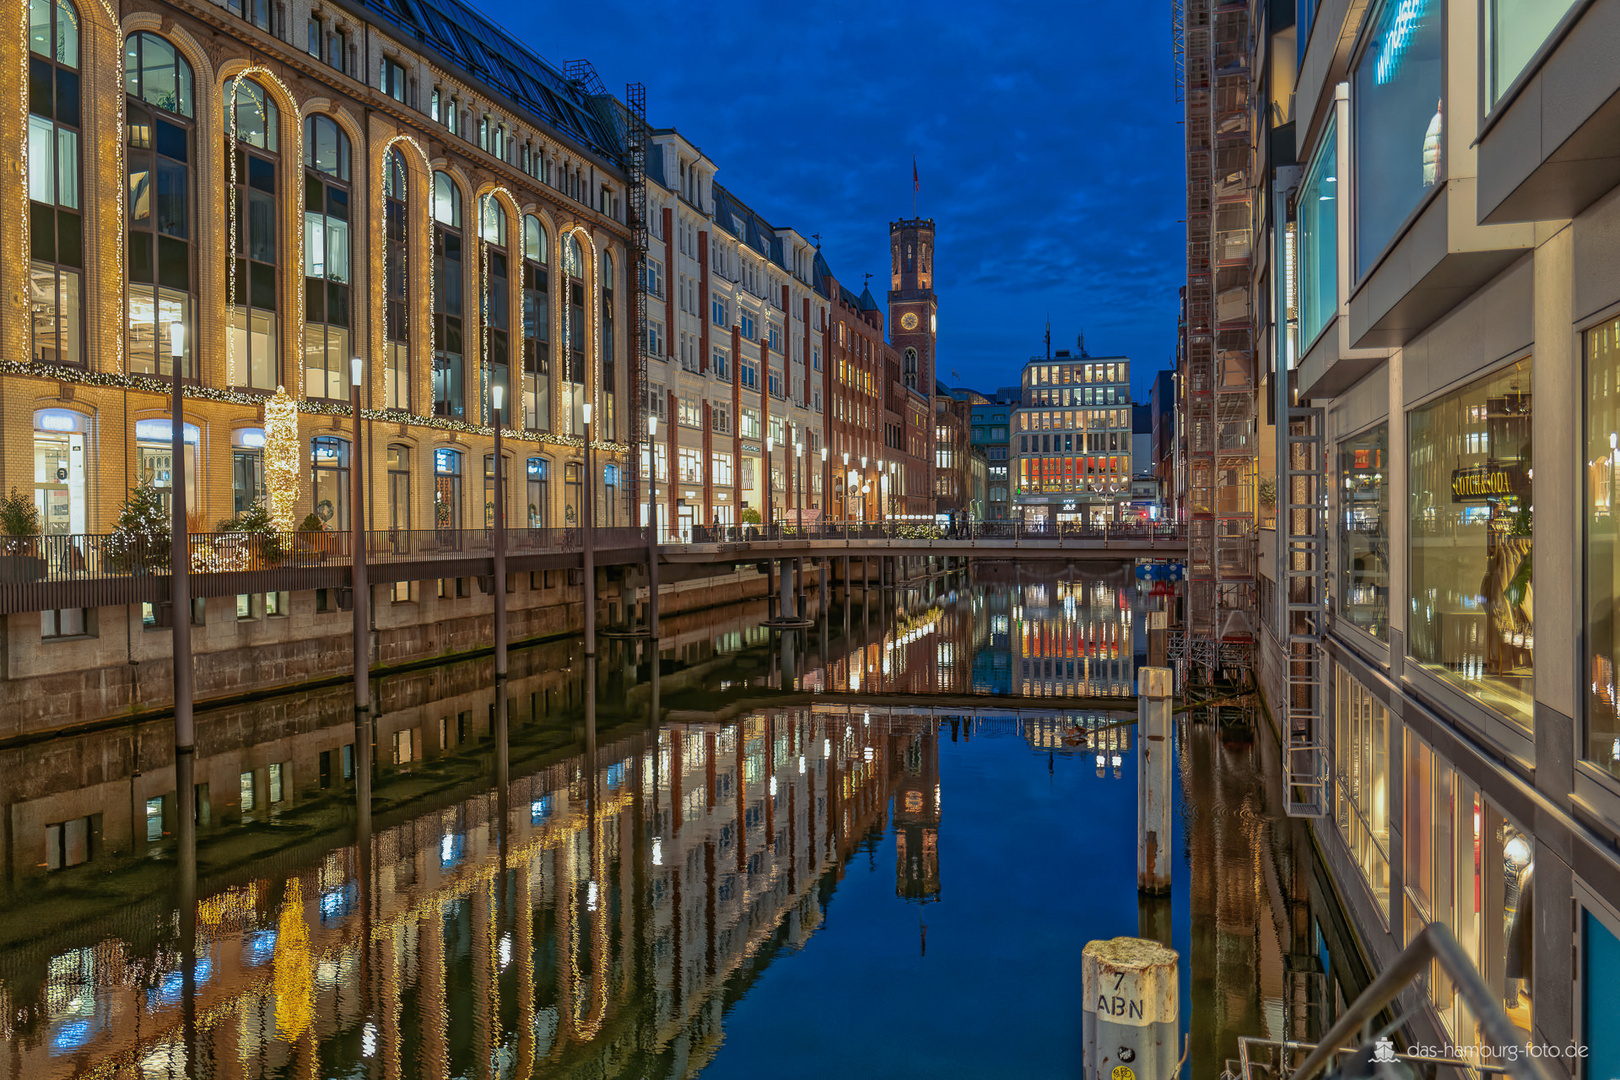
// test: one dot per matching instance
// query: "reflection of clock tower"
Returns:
(913, 308)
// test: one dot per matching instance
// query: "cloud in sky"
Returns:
(1045, 137)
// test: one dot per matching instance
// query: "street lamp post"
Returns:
(844, 509)
(826, 487)
(497, 393)
(588, 543)
(866, 486)
(359, 588)
(798, 458)
(652, 534)
(770, 448)
(185, 732)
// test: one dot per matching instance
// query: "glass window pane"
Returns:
(1364, 531)
(1472, 603)
(1516, 29)
(1399, 126)
(1602, 404)
(41, 163)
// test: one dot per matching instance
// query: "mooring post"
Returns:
(1153, 686)
(1131, 999)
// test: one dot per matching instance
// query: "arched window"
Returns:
(574, 367)
(162, 236)
(539, 493)
(447, 305)
(56, 228)
(446, 488)
(911, 368)
(536, 328)
(327, 325)
(396, 285)
(497, 303)
(251, 175)
(329, 464)
(610, 427)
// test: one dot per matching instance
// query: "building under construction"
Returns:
(1216, 360)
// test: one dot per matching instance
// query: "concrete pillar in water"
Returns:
(1131, 997)
(789, 659)
(798, 574)
(1158, 634)
(1153, 780)
(786, 609)
(770, 588)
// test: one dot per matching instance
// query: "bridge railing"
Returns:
(986, 530)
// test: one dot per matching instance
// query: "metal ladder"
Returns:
(1306, 753)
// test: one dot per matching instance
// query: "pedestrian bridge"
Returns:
(995, 540)
(41, 573)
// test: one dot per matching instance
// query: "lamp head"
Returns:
(770, 444)
(177, 338)
(652, 425)
(863, 461)
(824, 455)
(498, 392)
(586, 410)
(846, 457)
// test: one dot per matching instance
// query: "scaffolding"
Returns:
(1219, 385)
(628, 122)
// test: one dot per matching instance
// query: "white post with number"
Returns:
(1131, 1000)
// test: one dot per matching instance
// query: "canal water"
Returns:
(876, 848)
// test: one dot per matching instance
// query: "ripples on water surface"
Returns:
(868, 870)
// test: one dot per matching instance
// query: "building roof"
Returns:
(868, 302)
(463, 38)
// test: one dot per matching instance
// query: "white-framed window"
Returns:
(717, 311)
(655, 339)
(720, 418)
(748, 373)
(691, 466)
(750, 423)
(747, 321)
(720, 364)
(815, 357)
(720, 465)
(691, 413)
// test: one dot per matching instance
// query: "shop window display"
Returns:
(1602, 542)
(1364, 532)
(1470, 568)
(1361, 759)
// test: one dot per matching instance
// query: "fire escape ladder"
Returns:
(1306, 752)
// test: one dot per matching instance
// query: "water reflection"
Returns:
(550, 875)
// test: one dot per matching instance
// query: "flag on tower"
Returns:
(913, 185)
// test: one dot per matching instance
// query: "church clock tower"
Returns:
(913, 308)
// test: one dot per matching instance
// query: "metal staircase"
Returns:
(1306, 753)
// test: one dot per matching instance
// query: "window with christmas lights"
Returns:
(496, 307)
(55, 225)
(327, 321)
(447, 299)
(396, 285)
(162, 265)
(536, 326)
(253, 140)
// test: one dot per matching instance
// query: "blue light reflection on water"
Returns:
(984, 982)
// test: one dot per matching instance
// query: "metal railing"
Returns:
(968, 531)
(1433, 946)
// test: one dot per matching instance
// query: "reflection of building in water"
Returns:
(1073, 638)
(992, 658)
(599, 927)
(1103, 736)
(914, 781)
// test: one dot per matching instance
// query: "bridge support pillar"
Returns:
(787, 607)
(770, 588)
(798, 573)
(1153, 748)
(825, 584)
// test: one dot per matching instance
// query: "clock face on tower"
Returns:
(908, 321)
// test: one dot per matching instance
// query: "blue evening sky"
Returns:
(1045, 136)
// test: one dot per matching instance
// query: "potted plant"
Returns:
(314, 535)
(254, 536)
(140, 539)
(20, 559)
